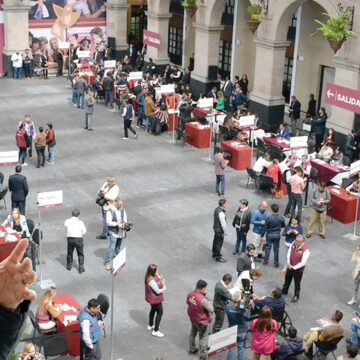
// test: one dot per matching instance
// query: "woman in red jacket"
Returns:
(154, 288)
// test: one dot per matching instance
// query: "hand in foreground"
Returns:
(15, 277)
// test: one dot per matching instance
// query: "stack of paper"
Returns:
(11, 238)
(69, 318)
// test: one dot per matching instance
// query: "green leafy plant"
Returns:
(255, 12)
(336, 28)
(14, 356)
(187, 3)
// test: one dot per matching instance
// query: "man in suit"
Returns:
(213, 94)
(132, 54)
(221, 299)
(107, 53)
(227, 90)
(283, 132)
(19, 189)
(350, 145)
(294, 111)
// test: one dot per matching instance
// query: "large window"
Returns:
(224, 58)
(175, 45)
(138, 23)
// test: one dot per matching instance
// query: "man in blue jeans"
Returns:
(238, 317)
(273, 225)
(220, 165)
(115, 219)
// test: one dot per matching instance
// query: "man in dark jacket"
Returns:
(80, 86)
(273, 226)
(319, 125)
(350, 145)
(108, 84)
(294, 111)
(221, 299)
(19, 189)
(219, 227)
(241, 223)
(275, 301)
(246, 259)
(291, 345)
(185, 113)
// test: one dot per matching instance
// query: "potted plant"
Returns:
(335, 30)
(255, 16)
(190, 7)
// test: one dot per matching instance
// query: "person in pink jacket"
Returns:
(263, 328)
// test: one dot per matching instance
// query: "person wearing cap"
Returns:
(241, 223)
(75, 230)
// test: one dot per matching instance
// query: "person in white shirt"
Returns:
(261, 163)
(75, 230)
(17, 62)
(116, 219)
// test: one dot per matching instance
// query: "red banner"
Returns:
(152, 39)
(342, 97)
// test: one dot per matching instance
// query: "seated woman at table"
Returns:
(337, 156)
(30, 353)
(46, 311)
(237, 115)
(292, 159)
(283, 132)
(274, 171)
(18, 223)
(220, 105)
(305, 165)
(326, 152)
(329, 138)
(353, 189)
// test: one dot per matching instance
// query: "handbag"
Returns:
(279, 194)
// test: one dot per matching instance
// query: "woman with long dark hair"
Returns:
(263, 342)
(154, 288)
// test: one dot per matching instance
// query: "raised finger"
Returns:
(25, 266)
(18, 253)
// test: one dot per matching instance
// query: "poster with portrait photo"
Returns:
(87, 38)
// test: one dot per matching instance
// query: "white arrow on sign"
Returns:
(329, 93)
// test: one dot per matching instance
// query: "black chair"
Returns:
(260, 149)
(253, 176)
(181, 136)
(327, 347)
(3, 194)
(55, 345)
(38, 340)
(276, 153)
(104, 302)
(283, 319)
(266, 182)
(37, 236)
(31, 225)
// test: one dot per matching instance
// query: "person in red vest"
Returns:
(199, 310)
(154, 288)
(297, 257)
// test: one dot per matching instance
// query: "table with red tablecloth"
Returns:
(89, 78)
(343, 205)
(6, 247)
(199, 135)
(325, 171)
(203, 112)
(240, 154)
(72, 327)
(274, 141)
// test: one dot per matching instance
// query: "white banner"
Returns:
(50, 199)
(135, 75)
(247, 121)
(222, 341)
(9, 157)
(110, 64)
(64, 45)
(119, 262)
(167, 89)
(298, 142)
(205, 103)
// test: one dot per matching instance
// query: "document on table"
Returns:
(336, 191)
(11, 238)
(69, 318)
(67, 307)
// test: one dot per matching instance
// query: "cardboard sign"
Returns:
(167, 89)
(64, 45)
(222, 341)
(152, 39)
(206, 103)
(247, 121)
(119, 262)
(109, 64)
(298, 142)
(83, 54)
(9, 158)
(50, 199)
(343, 97)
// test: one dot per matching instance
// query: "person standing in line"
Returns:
(220, 166)
(297, 258)
(90, 330)
(116, 219)
(258, 219)
(140, 106)
(89, 103)
(80, 87)
(19, 189)
(50, 142)
(220, 231)
(291, 231)
(297, 184)
(154, 289)
(27, 61)
(246, 260)
(356, 275)
(350, 146)
(320, 200)
(21, 143)
(108, 85)
(16, 60)
(311, 111)
(149, 111)
(241, 223)
(30, 132)
(221, 299)
(294, 111)
(109, 192)
(273, 226)
(40, 142)
(128, 114)
(199, 311)
(75, 230)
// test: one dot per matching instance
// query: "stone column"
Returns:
(16, 27)
(207, 41)
(159, 23)
(116, 24)
(347, 74)
(266, 99)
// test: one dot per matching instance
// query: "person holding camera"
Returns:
(244, 283)
(106, 198)
(116, 219)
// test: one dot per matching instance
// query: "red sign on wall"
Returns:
(152, 39)
(343, 97)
